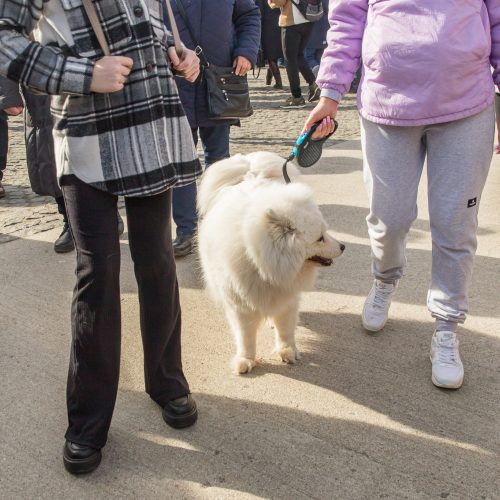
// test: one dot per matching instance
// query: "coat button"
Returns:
(138, 11)
(150, 67)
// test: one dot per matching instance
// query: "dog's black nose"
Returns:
(342, 247)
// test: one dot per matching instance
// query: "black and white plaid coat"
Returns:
(134, 142)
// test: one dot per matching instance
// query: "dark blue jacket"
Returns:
(318, 35)
(224, 29)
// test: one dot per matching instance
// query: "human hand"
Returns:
(188, 65)
(497, 147)
(110, 74)
(241, 66)
(14, 110)
(325, 111)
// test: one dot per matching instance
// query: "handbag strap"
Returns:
(175, 30)
(96, 26)
(101, 38)
(198, 49)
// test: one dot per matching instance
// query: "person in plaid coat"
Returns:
(119, 129)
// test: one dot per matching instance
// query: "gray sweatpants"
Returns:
(458, 159)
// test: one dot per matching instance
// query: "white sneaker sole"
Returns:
(446, 386)
(371, 328)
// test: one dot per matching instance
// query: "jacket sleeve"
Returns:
(493, 7)
(44, 69)
(9, 94)
(246, 20)
(342, 55)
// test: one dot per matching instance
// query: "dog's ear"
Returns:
(275, 248)
(280, 226)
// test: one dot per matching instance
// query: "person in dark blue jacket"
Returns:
(228, 31)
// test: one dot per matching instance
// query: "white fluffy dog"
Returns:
(261, 242)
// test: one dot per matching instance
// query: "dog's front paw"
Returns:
(242, 365)
(288, 354)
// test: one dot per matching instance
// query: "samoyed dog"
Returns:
(261, 242)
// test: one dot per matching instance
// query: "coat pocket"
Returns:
(115, 23)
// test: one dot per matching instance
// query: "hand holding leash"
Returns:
(309, 146)
(324, 110)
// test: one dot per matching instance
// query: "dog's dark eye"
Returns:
(321, 239)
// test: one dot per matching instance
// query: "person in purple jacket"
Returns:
(426, 93)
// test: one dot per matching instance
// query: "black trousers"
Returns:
(96, 329)
(294, 40)
(4, 142)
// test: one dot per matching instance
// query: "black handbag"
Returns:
(228, 95)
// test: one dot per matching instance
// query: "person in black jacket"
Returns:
(229, 33)
(270, 41)
(10, 105)
(40, 159)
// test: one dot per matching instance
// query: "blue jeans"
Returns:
(215, 142)
(4, 142)
(313, 56)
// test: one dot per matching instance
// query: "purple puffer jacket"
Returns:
(424, 61)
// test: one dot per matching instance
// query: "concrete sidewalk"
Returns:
(357, 418)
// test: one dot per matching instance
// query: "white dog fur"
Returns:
(261, 242)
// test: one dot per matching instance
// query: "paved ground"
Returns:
(357, 418)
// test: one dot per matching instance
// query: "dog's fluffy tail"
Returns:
(228, 172)
(232, 171)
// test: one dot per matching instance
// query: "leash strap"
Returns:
(285, 173)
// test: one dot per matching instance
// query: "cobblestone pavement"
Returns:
(23, 213)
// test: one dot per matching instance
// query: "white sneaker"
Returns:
(447, 367)
(376, 308)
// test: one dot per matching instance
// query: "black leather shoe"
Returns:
(65, 241)
(180, 412)
(183, 245)
(80, 459)
(121, 225)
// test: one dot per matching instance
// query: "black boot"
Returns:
(181, 412)
(273, 67)
(65, 242)
(269, 77)
(183, 245)
(80, 459)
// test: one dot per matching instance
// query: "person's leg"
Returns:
(4, 147)
(393, 158)
(275, 71)
(459, 157)
(310, 57)
(64, 243)
(95, 320)
(304, 68)
(184, 206)
(269, 76)
(215, 141)
(149, 226)
(291, 37)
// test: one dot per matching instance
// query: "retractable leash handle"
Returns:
(307, 151)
